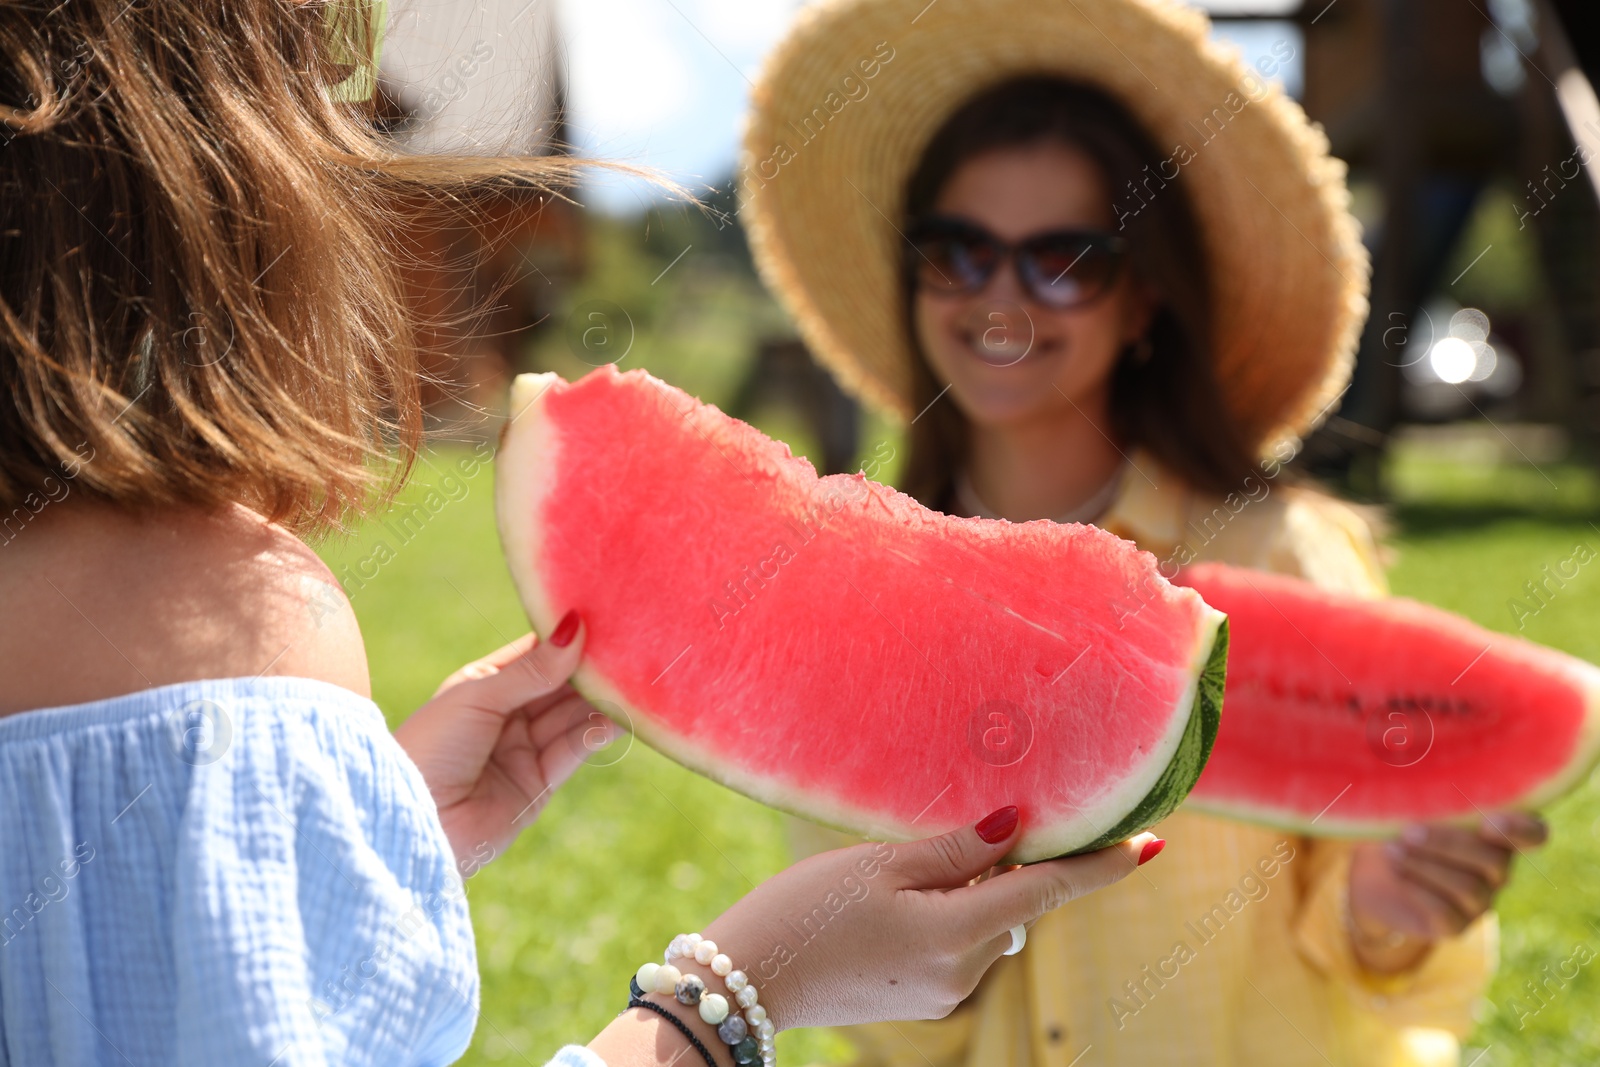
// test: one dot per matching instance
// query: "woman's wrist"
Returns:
(698, 992)
(1381, 949)
(741, 950)
(640, 1037)
(620, 1043)
(1390, 958)
(693, 1023)
(699, 974)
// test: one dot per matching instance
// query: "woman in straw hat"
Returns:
(1106, 273)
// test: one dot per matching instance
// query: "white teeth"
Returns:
(1000, 350)
(999, 334)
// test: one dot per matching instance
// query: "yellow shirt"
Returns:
(1230, 950)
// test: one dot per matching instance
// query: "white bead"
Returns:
(713, 1008)
(693, 939)
(677, 948)
(768, 1044)
(746, 997)
(647, 976)
(736, 981)
(705, 952)
(766, 1031)
(721, 965)
(755, 1016)
(667, 978)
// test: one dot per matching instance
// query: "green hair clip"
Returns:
(355, 37)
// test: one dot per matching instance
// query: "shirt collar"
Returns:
(1151, 506)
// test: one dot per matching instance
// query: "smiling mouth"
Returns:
(1002, 348)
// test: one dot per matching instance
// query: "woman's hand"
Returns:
(1429, 884)
(876, 931)
(500, 735)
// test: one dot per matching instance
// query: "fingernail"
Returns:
(1151, 850)
(565, 630)
(1414, 834)
(996, 826)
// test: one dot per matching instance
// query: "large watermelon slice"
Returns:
(831, 647)
(1349, 716)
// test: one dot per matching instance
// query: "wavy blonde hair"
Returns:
(199, 249)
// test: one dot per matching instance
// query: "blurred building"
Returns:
(1434, 103)
(463, 77)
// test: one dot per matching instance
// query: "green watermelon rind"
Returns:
(1183, 771)
(1177, 778)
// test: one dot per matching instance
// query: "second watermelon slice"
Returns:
(1350, 716)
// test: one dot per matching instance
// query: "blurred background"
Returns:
(1473, 419)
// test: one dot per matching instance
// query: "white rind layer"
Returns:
(530, 452)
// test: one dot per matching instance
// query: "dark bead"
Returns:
(689, 990)
(732, 1030)
(747, 1052)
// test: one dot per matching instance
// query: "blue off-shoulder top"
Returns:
(241, 872)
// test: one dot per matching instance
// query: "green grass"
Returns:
(631, 852)
(1470, 537)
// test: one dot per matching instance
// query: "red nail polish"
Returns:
(1151, 850)
(998, 825)
(565, 630)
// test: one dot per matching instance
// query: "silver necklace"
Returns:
(1088, 511)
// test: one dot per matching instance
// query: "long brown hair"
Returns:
(199, 300)
(1169, 403)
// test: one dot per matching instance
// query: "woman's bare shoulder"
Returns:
(105, 602)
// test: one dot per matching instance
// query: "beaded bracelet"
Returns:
(754, 1037)
(751, 1035)
(636, 1000)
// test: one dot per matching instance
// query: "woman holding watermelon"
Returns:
(212, 851)
(1107, 274)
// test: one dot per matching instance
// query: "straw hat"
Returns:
(849, 101)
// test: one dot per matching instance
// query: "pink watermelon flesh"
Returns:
(1355, 716)
(831, 647)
